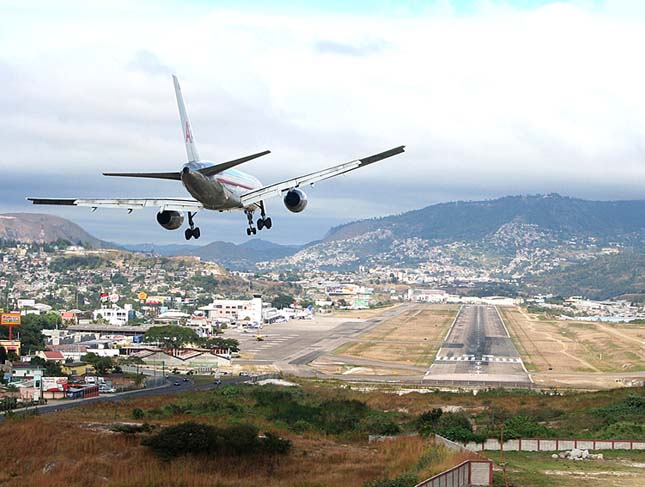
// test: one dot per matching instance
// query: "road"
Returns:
(478, 351)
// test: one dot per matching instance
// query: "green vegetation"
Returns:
(171, 337)
(76, 262)
(283, 301)
(204, 440)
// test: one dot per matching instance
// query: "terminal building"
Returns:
(235, 310)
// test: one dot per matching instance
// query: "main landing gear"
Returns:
(263, 221)
(192, 231)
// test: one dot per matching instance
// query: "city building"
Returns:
(235, 310)
(115, 315)
(350, 296)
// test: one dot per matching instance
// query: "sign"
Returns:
(142, 296)
(54, 383)
(114, 298)
(10, 319)
(105, 297)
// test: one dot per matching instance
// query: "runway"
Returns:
(478, 352)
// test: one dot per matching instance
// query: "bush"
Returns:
(138, 413)
(341, 416)
(379, 424)
(202, 439)
(131, 429)
(185, 438)
(524, 427)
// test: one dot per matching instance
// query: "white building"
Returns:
(115, 315)
(427, 295)
(234, 309)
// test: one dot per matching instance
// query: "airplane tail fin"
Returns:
(189, 137)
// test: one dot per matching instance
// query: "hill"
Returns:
(42, 228)
(516, 241)
(471, 221)
(240, 257)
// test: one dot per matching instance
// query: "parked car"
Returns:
(177, 383)
(244, 373)
(217, 382)
(107, 390)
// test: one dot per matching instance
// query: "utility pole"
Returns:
(501, 455)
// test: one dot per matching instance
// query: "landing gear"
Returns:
(192, 231)
(249, 216)
(263, 221)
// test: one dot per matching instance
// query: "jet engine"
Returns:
(170, 220)
(295, 200)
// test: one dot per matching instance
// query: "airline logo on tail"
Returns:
(189, 136)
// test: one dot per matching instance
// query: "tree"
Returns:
(217, 342)
(101, 364)
(171, 337)
(282, 301)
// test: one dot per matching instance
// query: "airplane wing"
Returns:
(169, 204)
(276, 189)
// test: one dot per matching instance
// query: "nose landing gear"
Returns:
(192, 231)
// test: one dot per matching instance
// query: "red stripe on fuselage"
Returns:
(226, 181)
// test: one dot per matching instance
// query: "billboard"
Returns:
(54, 383)
(10, 319)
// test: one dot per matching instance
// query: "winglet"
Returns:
(189, 136)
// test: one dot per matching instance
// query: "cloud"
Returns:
(148, 62)
(496, 101)
(333, 47)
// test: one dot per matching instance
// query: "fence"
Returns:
(470, 472)
(474, 471)
(557, 444)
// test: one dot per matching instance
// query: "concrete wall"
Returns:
(548, 444)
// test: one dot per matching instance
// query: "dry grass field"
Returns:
(555, 347)
(411, 338)
(77, 448)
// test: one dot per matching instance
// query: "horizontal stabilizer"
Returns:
(218, 168)
(154, 175)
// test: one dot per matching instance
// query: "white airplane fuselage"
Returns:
(221, 191)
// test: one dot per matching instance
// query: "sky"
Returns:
(490, 98)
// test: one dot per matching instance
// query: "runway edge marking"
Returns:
(511, 339)
(436, 357)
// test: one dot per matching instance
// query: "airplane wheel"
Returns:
(188, 233)
(267, 223)
(260, 224)
(248, 232)
(196, 233)
(255, 231)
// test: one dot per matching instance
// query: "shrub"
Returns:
(138, 413)
(202, 439)
(131, 429)
(184, 438)
(524, 427)
(379, 424)
(340, 416)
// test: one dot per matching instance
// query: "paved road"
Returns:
(478, 351)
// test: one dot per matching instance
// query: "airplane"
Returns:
(216, 186)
